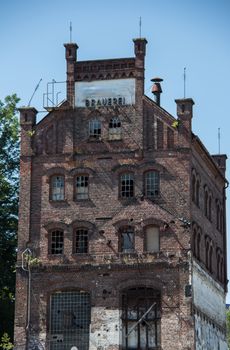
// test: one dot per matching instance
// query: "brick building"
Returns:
(122, 234)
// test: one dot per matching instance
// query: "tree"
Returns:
(228, 327)
(9, 166)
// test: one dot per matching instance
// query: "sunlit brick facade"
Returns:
(122, 219)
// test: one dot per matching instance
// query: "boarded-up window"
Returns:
(152, 239)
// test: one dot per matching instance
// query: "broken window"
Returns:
(81, 243)
(69, 320)
(127, 240)
(56, 242)
(140, 319)
(82, 187)
(127, 185)
(57, 188)
(152, 239)
(152, 184)
(115, 129)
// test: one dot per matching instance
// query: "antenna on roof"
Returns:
(70, 32)
(219, 140)
(140, 27)
(184, 82)
(37, 86)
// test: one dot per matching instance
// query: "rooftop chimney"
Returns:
(156, 90)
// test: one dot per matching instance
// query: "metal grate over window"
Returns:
(69, 320)
(57, 242)
(141, 319)
(81, 241)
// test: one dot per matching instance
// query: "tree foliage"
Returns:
(9, 166)
(228, 327)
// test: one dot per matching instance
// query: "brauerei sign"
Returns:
(105, 93)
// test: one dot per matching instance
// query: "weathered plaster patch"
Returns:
(105, 328)
(209, 296)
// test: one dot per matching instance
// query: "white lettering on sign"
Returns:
(105, 93)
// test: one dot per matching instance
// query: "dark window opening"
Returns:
(127, 240)
(141, 319)
(81, 241)
(127, 185)
(56, 242)
(69, 320)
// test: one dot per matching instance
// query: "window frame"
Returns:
(94, 133)
(51, 192)
(114, 129)
(131, 186)
(155, 183)
(75, 240)
(145, 239)
(127, 230)
(51, 242)
(76, 193)
(135, 304)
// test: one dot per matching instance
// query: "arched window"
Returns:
(206, 202)
(210, 258)
(95, 129)
(69, 320)
(218, 263)
(152, 239)
(195, 242)
(152, 184)
(57, 188)
(127, 240)
(198, 192)
(217, 215)
(81, 187)
(210, 207)
(141, 319)
(56, 242)
(81, 241)
(198, 245)
(127, 185)
(207, 246)
(193, 188)
(115, 129)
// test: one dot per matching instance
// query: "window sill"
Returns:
(95, 139)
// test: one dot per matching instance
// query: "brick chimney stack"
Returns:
(140, 51)
(71, 57)
(185, 114)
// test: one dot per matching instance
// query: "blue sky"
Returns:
(181, 33)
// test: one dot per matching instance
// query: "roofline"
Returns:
(209, 156)
(159, 107)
